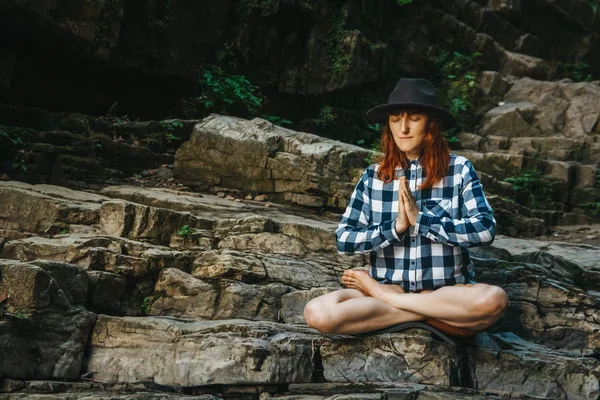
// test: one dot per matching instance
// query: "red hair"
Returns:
(435, 157)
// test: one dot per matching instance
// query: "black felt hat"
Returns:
(413, 93)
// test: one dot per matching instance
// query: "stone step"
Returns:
(45, 209)
(195, 353)
(295, 391)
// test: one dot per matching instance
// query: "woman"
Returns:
(415, 212)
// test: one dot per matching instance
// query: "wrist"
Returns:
(399, 227)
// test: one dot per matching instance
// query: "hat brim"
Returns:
(380, 113)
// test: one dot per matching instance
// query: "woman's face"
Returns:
(409, 131)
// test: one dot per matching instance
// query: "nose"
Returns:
(404, 128)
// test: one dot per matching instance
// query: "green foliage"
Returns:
(532, 189)
(594, 207)
(458, 86)
(277, 120)
(403, 2)
(327, 115)
(185, 231)
(222, 92)
(147, 304)
(579, 72)
(169, 128)
(21, 314)
(64, 231)
(11, 139)
(339, 58)
(375, 149)
(6, 137)
(594, 4)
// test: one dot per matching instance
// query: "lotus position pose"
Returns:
(416, 213)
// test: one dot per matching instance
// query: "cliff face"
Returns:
(83, 56)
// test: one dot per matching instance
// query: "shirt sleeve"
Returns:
(355, 232)
(477, 227)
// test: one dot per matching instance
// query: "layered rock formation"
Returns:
(222, 305)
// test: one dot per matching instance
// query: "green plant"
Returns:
(578, 72)
(147, 304)
(64, 231)
(532, 188)
(339, 57)
(220, 91)
(277, 120)
(403, 2)
(458, 87)
(370, 159)
(169, 127)
(185, 231)
(13, 139)
(19, 165)
(326, 116)
(20, 313)
(594, 207)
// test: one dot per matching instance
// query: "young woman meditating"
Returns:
(416, 213)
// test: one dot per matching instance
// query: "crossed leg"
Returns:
(368, 305)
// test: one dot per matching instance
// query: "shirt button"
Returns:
(412, 262)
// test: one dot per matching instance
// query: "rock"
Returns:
(29, 287)
(507, 121)
(47, 344)
(252, 302)
(229, 264)
(131, 220)
(22, 208)
(412, 356)
(208, 352)
(546, 305)
(181, 295)
(259, 156)
(583, 260)
(523, 65)
(107, 293)
(43, 334)
(70, 279)
(265, 242)
(292, 304)
(504, 361)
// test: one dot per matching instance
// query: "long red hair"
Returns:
(435, 157)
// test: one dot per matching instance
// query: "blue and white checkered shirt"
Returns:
(454, 215)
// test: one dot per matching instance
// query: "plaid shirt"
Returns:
(454, 215)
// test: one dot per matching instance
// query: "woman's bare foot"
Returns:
(362, 281)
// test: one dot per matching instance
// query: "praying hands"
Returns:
(407, 207)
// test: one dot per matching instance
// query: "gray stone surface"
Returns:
(178, 352)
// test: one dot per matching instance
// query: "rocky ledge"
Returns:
(200, 295)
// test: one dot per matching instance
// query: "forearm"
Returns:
(478, 230)
(353, 239)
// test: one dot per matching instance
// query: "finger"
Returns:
(408, 201)
(405, 200)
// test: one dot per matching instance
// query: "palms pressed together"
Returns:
(361, 280)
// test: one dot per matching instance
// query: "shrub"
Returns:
(223, 93)
(532, 189)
